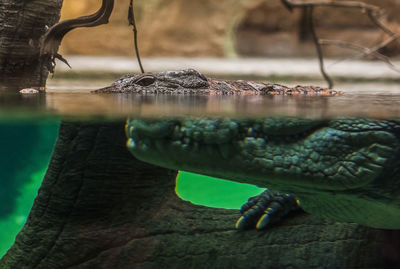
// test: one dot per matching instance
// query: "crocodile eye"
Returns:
(145, 80)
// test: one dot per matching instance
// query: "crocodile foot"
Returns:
(264, 209)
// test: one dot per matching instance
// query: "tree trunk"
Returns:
(99, 207)
(22, 23)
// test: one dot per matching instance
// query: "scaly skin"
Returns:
(342, 169)
(192, 82)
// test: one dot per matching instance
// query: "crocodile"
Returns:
(190, 81)
(341, 169)
(344, 169)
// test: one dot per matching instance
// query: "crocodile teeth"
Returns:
(131, 144)
(250, 132)
(132, 132)
(177, 134)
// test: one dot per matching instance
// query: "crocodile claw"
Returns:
(264, 209)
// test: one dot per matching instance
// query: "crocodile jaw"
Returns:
(265, 152)
(338, 169)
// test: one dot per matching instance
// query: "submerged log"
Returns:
(99, 207)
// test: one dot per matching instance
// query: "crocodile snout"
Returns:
(137, 129)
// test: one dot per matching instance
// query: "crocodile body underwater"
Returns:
(341, 169)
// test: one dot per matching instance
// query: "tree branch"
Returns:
(364, 50)
(332, 3)
(374, 13)
(51, 40)
(131, 19)
(319, 48)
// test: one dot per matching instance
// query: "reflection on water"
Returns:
(366, 100)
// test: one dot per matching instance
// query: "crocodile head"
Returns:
(183, 81)
(344, 169)
(192, 82)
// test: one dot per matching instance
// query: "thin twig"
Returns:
(287, 5)
(332, 3)
(375, 15)
(51, 40)
(131, 19)
(319, 48)
(364, 51)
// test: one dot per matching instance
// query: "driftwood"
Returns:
(99, 207)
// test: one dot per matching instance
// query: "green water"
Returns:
(26, 151)
(11, 224)
(213, 192)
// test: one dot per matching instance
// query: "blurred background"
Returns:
(231, 39)
(224, 28)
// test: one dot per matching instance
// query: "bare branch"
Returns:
(374, 13)
(364, 51)
(332, 3)
(51, 40)
(131, 19)
(376, 20)
(287, 5)
(319, 49)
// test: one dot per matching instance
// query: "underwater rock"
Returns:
(99, 207)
